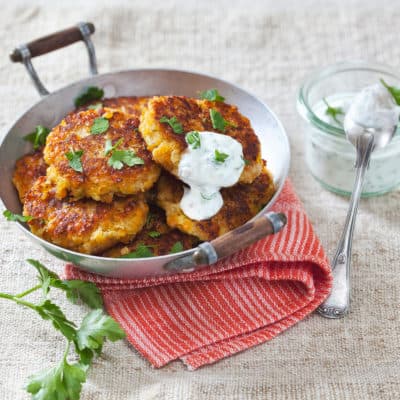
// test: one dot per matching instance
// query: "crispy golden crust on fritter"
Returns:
(27, 169)
(194, 115)
(133, 106)
(85, 226)
(241, 203)
(160, 245)
(98, 180)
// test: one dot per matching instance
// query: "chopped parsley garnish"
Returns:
(100, 125)
(154, 234)
(149, 219)
(38, 136)
(333, 112)
(91, 93)
(220, 157)
(218, 121)
(142, 251)
(95, 106)
(193, 139)
(16, 217)
(176, 248)
(74, 158)
(212, 95)
(205, 197)
(394, 91)
(110, 147)
(246, 162)
(173, 123)
(120, 157)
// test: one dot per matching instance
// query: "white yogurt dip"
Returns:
(374, 107)
(215, 162)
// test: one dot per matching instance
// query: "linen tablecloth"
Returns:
(268, 49)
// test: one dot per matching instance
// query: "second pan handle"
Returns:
(57, 40)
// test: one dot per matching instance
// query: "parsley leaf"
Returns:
(38, 136)
(394, 91)
(176, 248)
(246, 162)
(193, 139)
(91, 93)
(142, 251)
(154, 234)
(173, 123)
(63, 382)
(218, 121)
(333, 112)
(45, 277)
(220, 157)
(95, 106)
(120, 157)
(110, 147)
(16, 217)
(149, 219)
(87, 292)
(100, 125)
(74, 158)
(212, 95)
(95, 328)
(50, 311)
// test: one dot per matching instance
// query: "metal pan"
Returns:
(141, 82)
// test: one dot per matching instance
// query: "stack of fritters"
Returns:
(103, 210)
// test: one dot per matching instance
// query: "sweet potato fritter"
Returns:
(194, 115)
(130, 105)
(86, 226)
(27, 169)
(241, 203)
(99, 180)
(156, 235)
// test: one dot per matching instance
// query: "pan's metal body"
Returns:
(141, 82)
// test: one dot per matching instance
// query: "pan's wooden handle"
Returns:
(52, 42)
(248, 233)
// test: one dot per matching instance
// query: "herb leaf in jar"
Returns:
(333, 112)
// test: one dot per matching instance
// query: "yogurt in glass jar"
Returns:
(329, 156)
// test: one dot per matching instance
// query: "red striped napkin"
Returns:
(241, 301)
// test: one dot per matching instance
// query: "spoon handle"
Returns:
(337, 304)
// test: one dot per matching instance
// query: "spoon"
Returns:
(365, 140)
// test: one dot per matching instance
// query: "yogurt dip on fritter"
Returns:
(213, 161)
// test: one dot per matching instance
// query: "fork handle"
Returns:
(337, 305)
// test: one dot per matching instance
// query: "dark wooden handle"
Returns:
(245, 235)
(52, 42)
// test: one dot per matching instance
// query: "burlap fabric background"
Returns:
(267, 48)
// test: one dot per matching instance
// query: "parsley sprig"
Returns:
(212, 95)
(176, 248)
(220, 157)
(100, 125)
(193, 139)
(74, 158)
(141, 251)
(65, 380)
(90, 94)
(38, 136)
(218, 121)
(10, 216)
(173, 123)
(120, 157)
(333, 112)
(394, 91)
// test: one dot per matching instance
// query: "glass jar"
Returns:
(329, 156)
